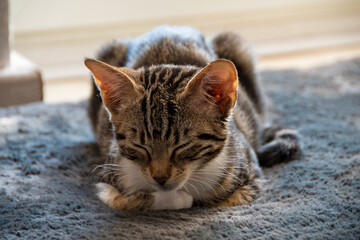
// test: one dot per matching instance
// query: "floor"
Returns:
(77, 89)
(46, 185)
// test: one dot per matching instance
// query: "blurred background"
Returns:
(58, 35)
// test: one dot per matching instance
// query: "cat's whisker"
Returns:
(201, 178)
(225, 172)
(116, 176)
(196, 190)
(105, 169)
(204, 182)
(95, 168)
(186, 189)
(105, 175)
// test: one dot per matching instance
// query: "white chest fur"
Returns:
(203, 182)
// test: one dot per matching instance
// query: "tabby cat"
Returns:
(180, 122)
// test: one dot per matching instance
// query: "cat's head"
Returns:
(169, 121)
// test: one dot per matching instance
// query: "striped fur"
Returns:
(167, 128)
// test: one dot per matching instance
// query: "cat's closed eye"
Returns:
(175, 152)
(134, 154)
(144, 150)
(199, 152)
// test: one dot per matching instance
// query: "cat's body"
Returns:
(182, 129)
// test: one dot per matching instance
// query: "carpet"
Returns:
(47, 153)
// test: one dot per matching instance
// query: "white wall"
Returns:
(58, 34)
(42, 15)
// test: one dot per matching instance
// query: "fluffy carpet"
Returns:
(47, 153)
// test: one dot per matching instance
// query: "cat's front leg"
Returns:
(143, 200)
(172, 200)
(113, 198)
(242, 196)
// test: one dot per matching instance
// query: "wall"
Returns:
(57, 35)
(42, 15)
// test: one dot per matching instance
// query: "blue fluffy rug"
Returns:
(47, 153)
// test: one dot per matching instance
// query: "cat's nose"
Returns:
(161, 180)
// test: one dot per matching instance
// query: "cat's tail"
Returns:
(278, 145)
(115, 54)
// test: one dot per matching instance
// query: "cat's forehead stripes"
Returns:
(158, 104)
(169, 76)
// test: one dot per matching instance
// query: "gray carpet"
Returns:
(46, 154)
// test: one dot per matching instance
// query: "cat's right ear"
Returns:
(213, 89)
(115, 84)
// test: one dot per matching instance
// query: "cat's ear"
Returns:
(115, 84)
(213, 89)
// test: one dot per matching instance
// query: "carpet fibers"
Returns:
(47, 154)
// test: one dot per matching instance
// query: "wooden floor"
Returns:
(78, 89)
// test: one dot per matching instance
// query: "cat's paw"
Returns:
(106, 193)
(172, 200)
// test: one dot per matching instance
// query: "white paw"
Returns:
(106, 193)
(172, 200)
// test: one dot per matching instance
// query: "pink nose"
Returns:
(161, 180)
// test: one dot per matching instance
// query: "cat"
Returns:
(180, 122)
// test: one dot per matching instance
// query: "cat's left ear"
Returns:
(213, 89)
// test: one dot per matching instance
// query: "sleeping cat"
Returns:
(180, 122)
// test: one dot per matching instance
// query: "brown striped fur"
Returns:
(174, 125)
